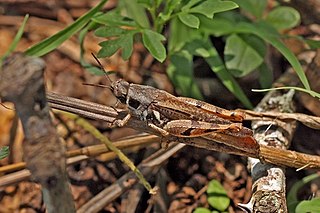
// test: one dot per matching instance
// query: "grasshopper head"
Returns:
(120, 89)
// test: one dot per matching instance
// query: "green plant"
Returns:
(217, 198)
(15, 41)
(4, 152)
(295, 205)
(191, 25)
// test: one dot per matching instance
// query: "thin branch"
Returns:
(269, 154)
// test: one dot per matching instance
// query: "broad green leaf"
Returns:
(201, 210)
(109, 31)
(310, 206)
(217, 66)
(54, 41)
(152, 41)
(125, 42)
(216, 26)
(15, 41)
(113, 18)
(137, 13)
(189, 20)
(127, 47)
(210, 54)
(217, 196)
(255, 42)
(189, 4)
(292, 197)
(109, 48)
(209, 8)
(240, 57)
(146, 3)
(180, 72)
(256, 8)
(180, 34)
(283, 18)
(4, 152)
(196, 48)
(268, 34)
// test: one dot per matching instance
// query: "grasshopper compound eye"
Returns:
(120, 89)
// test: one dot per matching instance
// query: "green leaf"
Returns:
(266, 76)
(152, 41)
(54, 41)
(189, 20)
(240, 57)
(146, 3)
(113, 18)
(209, 8)
(180, 72)
(109, 48)
(217, 66)
(217, 196)
(201, 210)
(109, 31)
(313, 44)
(127, 47)
(4, 152)
(256, 8)
(310, 206)
(169, 8)
(189, 4)
(283, 18)
(125, 42)
(137, 13)
(210, 54)
(270, 35)
(16, 39)
(216, 26)
(180, 34)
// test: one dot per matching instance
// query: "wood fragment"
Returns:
(22, 83)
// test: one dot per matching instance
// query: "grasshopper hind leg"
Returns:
(164, 136)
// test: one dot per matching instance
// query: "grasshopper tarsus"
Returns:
(122, 122)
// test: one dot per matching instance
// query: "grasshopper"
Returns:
(181, 116)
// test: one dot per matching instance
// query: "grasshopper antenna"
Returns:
(101, 67)
(107, 76)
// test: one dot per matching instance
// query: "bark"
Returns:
(22, 83)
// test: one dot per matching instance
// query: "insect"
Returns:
(181, 116)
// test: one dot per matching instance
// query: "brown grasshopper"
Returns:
(181, 116)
